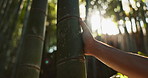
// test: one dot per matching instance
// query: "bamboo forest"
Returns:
(42, 38)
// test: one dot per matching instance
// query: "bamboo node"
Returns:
(61, 61)
(67, 17)
(38, 37)
(31, 66)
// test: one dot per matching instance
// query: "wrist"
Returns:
(95, 48)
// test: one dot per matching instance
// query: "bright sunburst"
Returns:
(103, 25)
(98, 23)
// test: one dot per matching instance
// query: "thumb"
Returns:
(84, 26)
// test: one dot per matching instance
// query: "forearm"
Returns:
(128, 64)
(131, 65)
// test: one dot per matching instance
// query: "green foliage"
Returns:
(51, 24)
(140, 53)
(81, 1)
(119, 75)
(143, 0)
(19, 25)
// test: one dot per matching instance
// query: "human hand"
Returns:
(87, 38)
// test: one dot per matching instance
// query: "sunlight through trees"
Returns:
(28, 41)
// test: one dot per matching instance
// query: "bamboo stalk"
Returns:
(29, 60)
(70, 58)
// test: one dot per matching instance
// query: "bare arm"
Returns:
(132, 65)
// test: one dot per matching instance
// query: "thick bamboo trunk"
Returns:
(31, 51)
(70, 58)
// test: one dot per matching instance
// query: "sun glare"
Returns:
(98, 23)
(82, 11)
(109, 27)
(95, 21)
(103, 25)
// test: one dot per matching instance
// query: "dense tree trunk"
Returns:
(29, 60)
(70, 58)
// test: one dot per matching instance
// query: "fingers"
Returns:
(84, 26)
